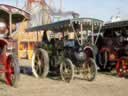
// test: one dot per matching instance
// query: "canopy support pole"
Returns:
(99, 33)
(82, 37)
(10, 23)
(92, 35)
(37, 36)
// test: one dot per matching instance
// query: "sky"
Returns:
(100, 9)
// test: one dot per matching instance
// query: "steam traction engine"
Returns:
(113, 47)
(9, 16)
(68, 54)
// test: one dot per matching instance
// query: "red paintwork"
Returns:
(122, 63)
(122, 67)
(89, 51)
(105, 49)
(8, 46)
(5, 61)
(110, 52)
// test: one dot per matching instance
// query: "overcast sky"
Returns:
(101, 9)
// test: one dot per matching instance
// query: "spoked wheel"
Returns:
(119, 68)
(40, 63)
(13, 70)
(89, 69)
(103, 60)
(67, 70)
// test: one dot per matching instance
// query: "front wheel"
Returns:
(67, 70)
(89, 69)
(13, 70)
(119, 68)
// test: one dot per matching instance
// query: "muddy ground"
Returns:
(106, 84)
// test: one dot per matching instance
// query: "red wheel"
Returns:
(119, 68)
(12, 70)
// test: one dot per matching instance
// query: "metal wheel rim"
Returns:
(66, 71)
(103, 55)
(89, 70)
(39, 64)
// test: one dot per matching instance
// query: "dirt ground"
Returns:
(106, 84)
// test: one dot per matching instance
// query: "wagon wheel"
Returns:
(89, 69)
(103, 61)
(119, 68)
(13, 70)
(67, 70)
(40, 63)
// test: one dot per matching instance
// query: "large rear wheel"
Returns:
(67, 70)
(40, 63)
(89, 69)
(103, 61)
